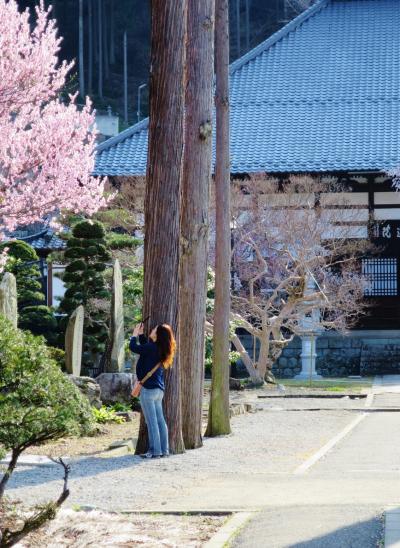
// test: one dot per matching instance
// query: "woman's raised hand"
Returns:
(138, 330)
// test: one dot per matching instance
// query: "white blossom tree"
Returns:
(291, 274)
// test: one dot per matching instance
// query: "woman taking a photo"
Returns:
(156, 354)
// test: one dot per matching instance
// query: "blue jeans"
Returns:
(151, 403)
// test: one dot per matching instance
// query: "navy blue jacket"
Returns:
(149, 358)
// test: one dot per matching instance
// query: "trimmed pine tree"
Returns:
(87, 255)
(33, 314)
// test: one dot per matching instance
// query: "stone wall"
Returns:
(358, 353)
(289, 363)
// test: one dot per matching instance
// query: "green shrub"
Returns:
(105, 415)
(37, 401)
(58, 356)
(76, 266)
(89, 229)
(120, 407)
(40, 320)
(33, 314)
(122, 241)
(20, 250)
(22, 262)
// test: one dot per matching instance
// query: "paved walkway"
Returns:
(339, 502)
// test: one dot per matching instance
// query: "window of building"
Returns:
(381, 276)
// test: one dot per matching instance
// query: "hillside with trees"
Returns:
(98, 50)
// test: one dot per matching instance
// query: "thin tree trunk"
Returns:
(218, 417)
(100, 46)
(244, 356)
(81, 63)
(10, 469)
(125, 78)
(34, 522)
(105, 42)
(194, 213)
(90, 47)
(95, 31)
(263, 356)
(238, 41)
(247, 25)
(112, 33)
(162, 201)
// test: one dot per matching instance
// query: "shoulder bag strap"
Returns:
(150, 373)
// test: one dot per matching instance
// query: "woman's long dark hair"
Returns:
(166, 344)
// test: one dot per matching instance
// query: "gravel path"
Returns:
(260, 443)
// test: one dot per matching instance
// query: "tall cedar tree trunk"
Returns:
(162, 202)
(218, 417)
(100, 46)
(194, 214)
(90, 47)
(81, 65)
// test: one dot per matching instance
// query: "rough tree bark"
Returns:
(162, 201)
(194, 213)
(218, 417)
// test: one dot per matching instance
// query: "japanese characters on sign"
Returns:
(386, 230)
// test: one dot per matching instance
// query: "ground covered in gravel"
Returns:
(76, 529)
(260, 443)
(88, 445)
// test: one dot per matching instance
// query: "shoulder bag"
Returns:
(138, 384)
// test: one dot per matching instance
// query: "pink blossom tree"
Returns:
(46, 144)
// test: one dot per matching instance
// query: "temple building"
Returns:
(321, 97)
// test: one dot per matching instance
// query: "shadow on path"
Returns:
(80, 468)
(314, 527)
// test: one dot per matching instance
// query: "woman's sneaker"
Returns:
(147, 455)
(165, 455)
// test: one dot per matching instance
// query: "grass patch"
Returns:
(331, 385)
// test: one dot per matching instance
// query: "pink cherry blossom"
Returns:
(47, 145)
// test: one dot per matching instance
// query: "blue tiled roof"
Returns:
(40, 236)
(322, 94)
(48, 241)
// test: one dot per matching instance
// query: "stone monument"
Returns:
(8, 298)
(73, 342)
(117, 333)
